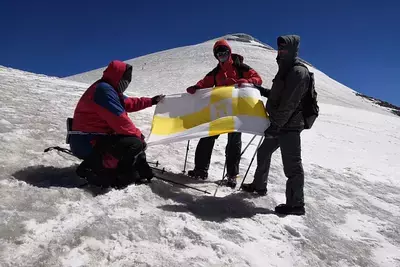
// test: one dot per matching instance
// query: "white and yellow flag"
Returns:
(208, 112)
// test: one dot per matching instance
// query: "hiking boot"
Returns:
(251, 189)
(196, 174)
(83, 170)
(290, 210)
(231, 181)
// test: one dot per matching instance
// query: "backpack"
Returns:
(310, 108)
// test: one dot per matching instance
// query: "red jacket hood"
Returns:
(114, 73)
(222, 43)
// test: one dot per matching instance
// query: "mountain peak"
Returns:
(245, 38)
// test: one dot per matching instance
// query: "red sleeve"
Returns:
(206, 82)
(121, 124)
(253, 77)
(133, 104)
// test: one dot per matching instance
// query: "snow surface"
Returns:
(352, 185)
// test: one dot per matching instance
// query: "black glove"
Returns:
(192, 89)
(156, 99)
(144, 142)
(272, 131)
(263, 91)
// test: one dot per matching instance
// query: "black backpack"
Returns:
(310, 108)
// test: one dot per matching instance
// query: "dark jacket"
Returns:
(289, 86)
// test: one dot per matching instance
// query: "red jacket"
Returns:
(101, 109)
(227, 73)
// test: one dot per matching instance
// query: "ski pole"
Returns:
(173, 182)
(187, 150)
(241, 154)
(153, 163)
(251, 141)
(223, 178)
(251, 162)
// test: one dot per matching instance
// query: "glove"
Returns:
(240, 82)
(230, 81)
(272, 131)
(263, 91)
(156, 99)
(143, 142)
(192, 89)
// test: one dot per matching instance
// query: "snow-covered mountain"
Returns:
(350, 157)
(173, 70)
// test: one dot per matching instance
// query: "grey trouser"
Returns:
(290, 145)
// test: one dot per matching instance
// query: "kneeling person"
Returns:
(111, 146)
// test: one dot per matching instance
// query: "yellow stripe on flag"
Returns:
(222, 125)
(221, 103)
(166, 126)
(221, 93)
(249, 106)
(219, 114)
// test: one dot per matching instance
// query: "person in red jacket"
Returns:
(103, 135)
(229, 71)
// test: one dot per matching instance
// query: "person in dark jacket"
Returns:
(229, 71)
(111, 146)
(285, 113)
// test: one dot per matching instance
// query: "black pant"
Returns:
(290, 144)
(132, 164)
(232, 153)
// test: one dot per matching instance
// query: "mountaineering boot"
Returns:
(124, 180)
(83, 169)
(143, 168)
(290, 210)
(196, 174)
(231, 181)
(251, 189)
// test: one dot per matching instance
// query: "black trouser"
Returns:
(232, 153)
(132, 164)
(290, 144)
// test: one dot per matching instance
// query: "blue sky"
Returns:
(354, 42)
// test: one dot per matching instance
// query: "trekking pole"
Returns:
(173, 182)
(241, 154)
(223, 174)
(153, 163)
(251, 162)
(251, 141)
(223, 178)
(187, 150)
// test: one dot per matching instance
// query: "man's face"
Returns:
(222, 53)
(282, 50)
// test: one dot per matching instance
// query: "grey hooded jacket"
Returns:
(289, 86)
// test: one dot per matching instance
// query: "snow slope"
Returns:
(352, 186)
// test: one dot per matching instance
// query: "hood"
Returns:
(118, 74)
(221, 43)
(292, 43)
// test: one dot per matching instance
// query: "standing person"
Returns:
(285, 110)
(229, 71)
(103, 135)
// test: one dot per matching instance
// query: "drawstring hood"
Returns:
(119, 75)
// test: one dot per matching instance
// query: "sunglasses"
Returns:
(223, 53)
